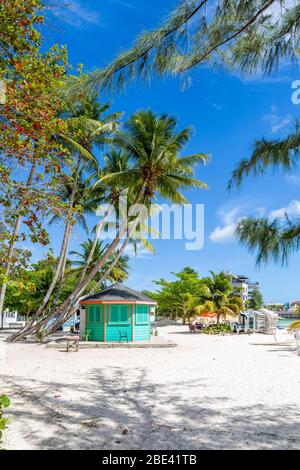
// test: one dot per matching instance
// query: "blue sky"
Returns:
(227, 115)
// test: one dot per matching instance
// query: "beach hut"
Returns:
(117, 314)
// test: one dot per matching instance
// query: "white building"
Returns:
(242, 286)
(13, 320)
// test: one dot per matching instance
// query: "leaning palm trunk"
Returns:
(110, 268)
(12, 248)
(62, 276)
(72, 300)
(20, 334)
(70, 312)
(96, 239)
(78, 291)
(64, 248)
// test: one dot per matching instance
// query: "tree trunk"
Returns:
(71, 311)
(12, 248)
(70, 305)
(97, 234)
(110, 268)
(61, 277)
(64, 248)
(64, 317)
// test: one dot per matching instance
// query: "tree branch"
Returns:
(225, 41)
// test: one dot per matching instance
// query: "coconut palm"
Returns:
(115, 161)
(87, 196)
(81, 256)
(120, 271)
(87, 126)
(219, 297)
(86, 201)
(153, 146)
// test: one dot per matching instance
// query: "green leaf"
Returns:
(4, 401)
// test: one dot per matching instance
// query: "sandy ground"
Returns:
(208, 393)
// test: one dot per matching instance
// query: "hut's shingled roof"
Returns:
(119, 292)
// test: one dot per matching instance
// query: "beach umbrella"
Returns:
(208, 314)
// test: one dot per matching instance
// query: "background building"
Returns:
(242, 286)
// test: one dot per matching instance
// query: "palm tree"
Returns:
(82, 256)
(119, 272)
(153, 145)
(86, 127)
(115, 162)
(86, 201)
(219, 297)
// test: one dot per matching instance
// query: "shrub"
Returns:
(40, 335)
(217, 329)
(4, 403)
(294, 326)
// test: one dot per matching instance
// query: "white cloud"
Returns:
(277, 122)
(225, 233)
(141, 252)
(294, 179)
(122, 3)
(76, 13)
(260, 211)
(217, 107)
(292, 210)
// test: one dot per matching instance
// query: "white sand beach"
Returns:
(211, 392)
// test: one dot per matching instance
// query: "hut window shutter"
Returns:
(142, 314)
(123, 314)
(91, 314)
(118, 314)
(97, 314)
(94, 314)
(114, 314)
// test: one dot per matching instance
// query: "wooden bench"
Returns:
(73, 343)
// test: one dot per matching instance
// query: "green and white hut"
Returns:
(117, 314)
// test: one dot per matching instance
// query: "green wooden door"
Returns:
(119, 323)
(95, 322)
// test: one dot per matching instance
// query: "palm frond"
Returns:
(81, 149)
(273, 240)
(281, 153)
